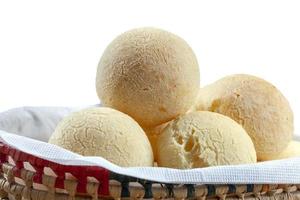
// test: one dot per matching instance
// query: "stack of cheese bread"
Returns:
(148, 81)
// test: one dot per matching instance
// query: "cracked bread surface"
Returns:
(255, 104)
(150, 74)
(203, 139)
(107, 133)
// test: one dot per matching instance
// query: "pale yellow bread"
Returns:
(292, 150)
(107, 133)
(202, 139)
(153, 135)
(255, 104)
(150, 74)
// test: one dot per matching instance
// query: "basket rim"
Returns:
(258, 173)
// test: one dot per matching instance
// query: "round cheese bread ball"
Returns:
(292, 150)
(107, 133)
(202, 139)
(255, 104)
(150, 74)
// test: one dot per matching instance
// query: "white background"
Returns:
(49, 50)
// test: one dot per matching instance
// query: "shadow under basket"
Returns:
(27, 177)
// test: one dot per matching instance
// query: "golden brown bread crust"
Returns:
(150, 74)
(255, 104)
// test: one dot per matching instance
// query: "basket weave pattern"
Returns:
(18, 182)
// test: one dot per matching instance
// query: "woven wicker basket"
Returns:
(24, 176)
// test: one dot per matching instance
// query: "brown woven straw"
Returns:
(26, 177)
(24, 188)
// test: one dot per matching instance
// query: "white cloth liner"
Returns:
(272, 172)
